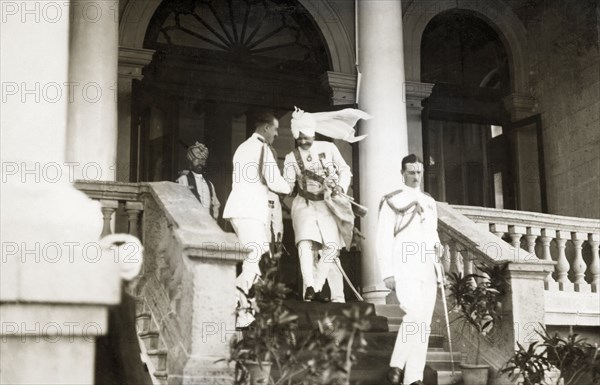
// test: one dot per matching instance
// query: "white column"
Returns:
(131, 63)
(381, 62)
(92, 113)
(56, 280)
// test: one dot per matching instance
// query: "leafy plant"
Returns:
(576, 360)
(477, 298)
(333, 345)
(323, 355)
(273, 325)
(528, 363)
(573, 356)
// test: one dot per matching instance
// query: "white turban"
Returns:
(334, 124)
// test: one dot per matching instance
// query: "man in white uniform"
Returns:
(194, 178)
(320, 172)
(408, 250)
(255, 173)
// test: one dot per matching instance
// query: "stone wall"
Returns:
(565, 81)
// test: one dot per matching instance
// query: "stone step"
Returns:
(143, 322)
(162, 376)
(158, 358)
(140, 305)
(442, 377)
(309, 312)
(385, 341)
(150, 339)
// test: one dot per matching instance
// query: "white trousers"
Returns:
(417, 298)
(252, 235)
(320, 265)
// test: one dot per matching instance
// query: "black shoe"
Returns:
(310, 294)
(418, 382)
(319, 296)
(395, 376)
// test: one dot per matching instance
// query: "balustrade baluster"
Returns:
(546, 238)
(578, 263)
(108, 209)
(498, 229)
(594, 241)
(516, 233)
(133, 210)
(530, 236)
(562, 266)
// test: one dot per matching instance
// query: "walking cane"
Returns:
(341, 269)
(447, 320)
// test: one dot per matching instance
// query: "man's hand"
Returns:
(390, 283)
(337, 189)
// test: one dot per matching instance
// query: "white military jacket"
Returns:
(407, 234)
(249, 197)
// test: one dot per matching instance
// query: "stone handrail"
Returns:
(123, 199)
(571, 242)
(188, 278)
(468, 245)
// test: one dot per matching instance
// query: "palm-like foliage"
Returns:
(573, 356)
(476, 298)
(577, 360)
(529, 363)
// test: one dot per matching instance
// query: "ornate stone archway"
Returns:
(136, 15)
(134, 18)
(496, 12)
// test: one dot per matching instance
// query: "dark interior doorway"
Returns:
(474, 154)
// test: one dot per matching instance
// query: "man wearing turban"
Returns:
(321, 174)
(194, 178)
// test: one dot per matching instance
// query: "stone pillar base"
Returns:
(41, 341)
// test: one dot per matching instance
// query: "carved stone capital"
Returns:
(133, 60)
(520, 106)
(341, 85)
(415, 92)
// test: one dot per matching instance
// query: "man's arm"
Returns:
(273, 177)
(385, 244)
(290, 172)
(215, 202)
(344, 172)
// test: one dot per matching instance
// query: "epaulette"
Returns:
(388, 196)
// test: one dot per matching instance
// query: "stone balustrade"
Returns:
(572, 289)
(469, 245)
(122, 204)
(572, 242)
(188, 279)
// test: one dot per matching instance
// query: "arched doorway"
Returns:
(216, 62)
(472, 149)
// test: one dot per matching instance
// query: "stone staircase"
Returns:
(153, 348)
(372, 367)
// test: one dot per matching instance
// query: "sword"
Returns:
(447, 320)
(341, 269)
